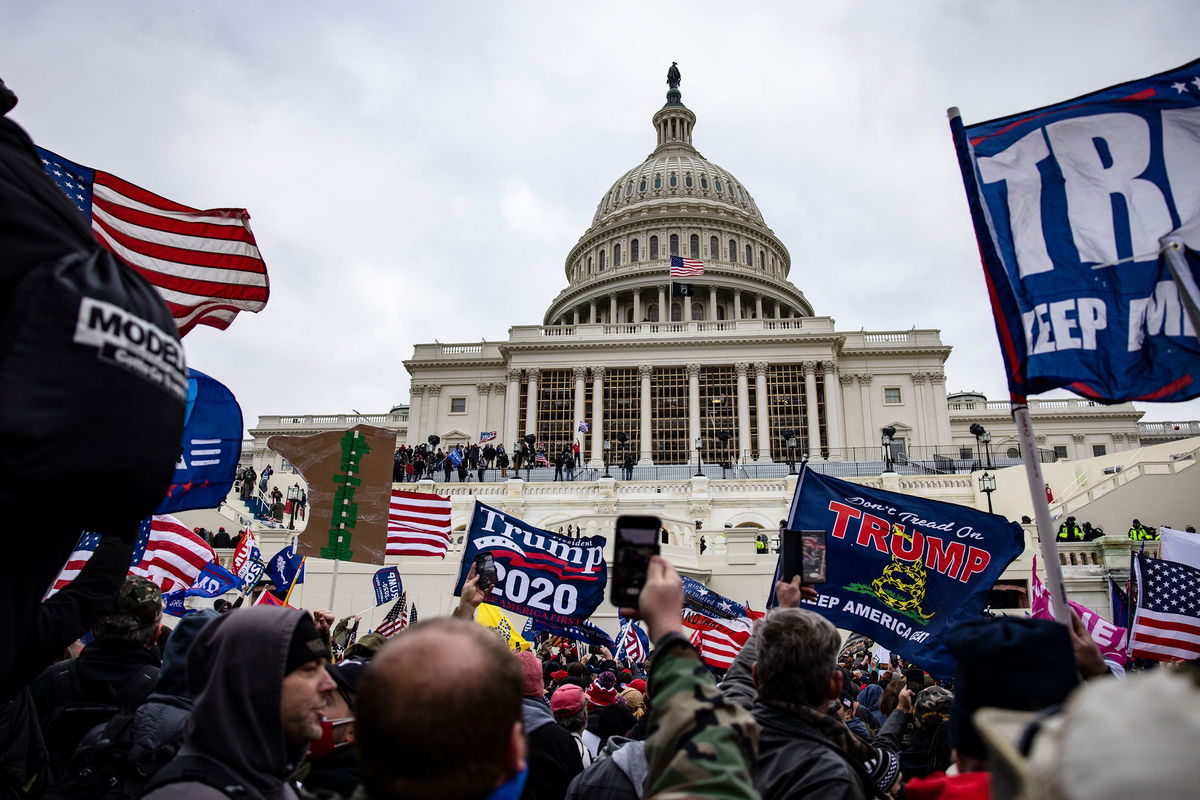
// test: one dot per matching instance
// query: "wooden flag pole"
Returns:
(1041, 510)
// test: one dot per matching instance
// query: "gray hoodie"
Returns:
(235, 671)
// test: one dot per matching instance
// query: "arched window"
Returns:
(717, 181)
(616, 195)
(635, 251)
(616, 255)
(703, 181)
(687, 180)
(652, 312)
(762, 260)
(732, 251)
(714, 248)
(589, 265)
(676, 312)
(602, 261)
(749, 258)
(658, 181)
(642, 185)
(1013, 453)
(674, 244)
(673, 181)
(694, 246)
(697, 311)
(720, 312)
(653, 248)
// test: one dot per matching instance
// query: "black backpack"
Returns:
(210, 772)
(76, 715)
(115, 767)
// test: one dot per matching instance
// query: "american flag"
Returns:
(718, 641)
(418, 524)
(83, 551)
(1167, 623)
(585, 427)
(634, 645)
(412, 615)
(686, 267)
(486, 436)
(395, 621)
(169, 553)
(204, 264)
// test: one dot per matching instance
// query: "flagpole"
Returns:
(287, 597)
(333, 582)
(1041, 509)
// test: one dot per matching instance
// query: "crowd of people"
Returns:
(1071, 530)
(270, 702)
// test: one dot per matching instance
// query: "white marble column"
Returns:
(512, 405)
(664, 311)
(432, 393)
(712, 303)
(743, 410)
(764, 419)
(686, 303)
(612, 309)
(758, 306)
(646, 372)
(810, 406)
(924, 431)
(580, 409)
(693, 371)
(597, 417)
(575, 315)
(833, 410)
(416, 415)
(637, 306)
(496, 411)
(737, 304)
(531, 376)
(592, 312)
(483, 392)
(864, 395)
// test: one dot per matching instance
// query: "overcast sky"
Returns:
(419, 171)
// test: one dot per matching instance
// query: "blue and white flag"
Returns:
(1087, 214)
(212, 442)
(538, 573)
(584, 632)
(584, 427)
(901, 569)
(213, 581)
(173, 604)
(286, 568)
(455, 457)
(388, 585)
(632, 642)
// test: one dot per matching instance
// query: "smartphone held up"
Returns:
(634, 544)
(804, 555)
(485, 570)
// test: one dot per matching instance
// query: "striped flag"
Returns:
(418, 524)
(719, 640)
(686, 267)
(395, 621)
(633, 645)
(1167, 622)
(83, 551)
(412, 616)
(169, 553)
(204, 264)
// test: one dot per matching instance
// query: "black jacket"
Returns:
(553, 757)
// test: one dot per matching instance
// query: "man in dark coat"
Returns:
(553, 757)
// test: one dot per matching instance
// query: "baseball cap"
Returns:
(140, 599)
(566, 700)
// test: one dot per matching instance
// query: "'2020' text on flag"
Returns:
(1087, 214)
(204, 264)
(418, 524)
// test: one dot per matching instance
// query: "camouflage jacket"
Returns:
(698, 744)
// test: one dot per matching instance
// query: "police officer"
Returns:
(1068, 531)
(1140, 533)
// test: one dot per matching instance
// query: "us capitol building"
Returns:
(714, 390)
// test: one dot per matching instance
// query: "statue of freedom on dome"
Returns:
(673, 77)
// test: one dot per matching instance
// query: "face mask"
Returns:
(324, 746)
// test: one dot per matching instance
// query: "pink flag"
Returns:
(1110, 638)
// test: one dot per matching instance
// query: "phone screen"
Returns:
(914, 680)
(485, 569)
(812, 568)
(636, 542)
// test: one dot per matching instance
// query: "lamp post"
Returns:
(790, 442)
(983, 435)
(699, 443)
(987, 485)
(293, 496)
(724, 436)
(607, 448)
(623, 441)
(886, 440)
(530, 438)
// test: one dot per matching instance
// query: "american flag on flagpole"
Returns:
(1167, 622)
(82, 553)
(169, 553)
(634, 645)
(418, 524)
(686, 267)
(395, 621)
(205, 264)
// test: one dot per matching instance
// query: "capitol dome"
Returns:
(676, 203)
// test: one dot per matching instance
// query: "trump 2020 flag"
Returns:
(212, 442)
(586, 631)
(538, 573)
(1087, 214)
(388, 585)
(213, 581)
(902, 570)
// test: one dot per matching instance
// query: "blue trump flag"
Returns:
(173, 604)
(212, 581)
(388, 585)
(286, 568)
(539, 574)
(902, 570)
(584, 632)
(212, 442)
(1087, 214)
